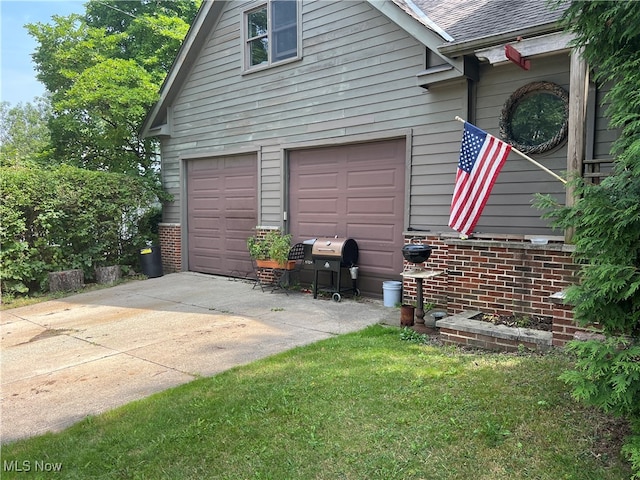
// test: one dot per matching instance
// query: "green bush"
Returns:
(605, 220)
(66, 217)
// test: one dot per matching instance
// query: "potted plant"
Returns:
(271, 250)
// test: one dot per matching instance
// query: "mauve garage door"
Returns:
(222, 213)
(355, 191)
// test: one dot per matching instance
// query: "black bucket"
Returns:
(151, 261)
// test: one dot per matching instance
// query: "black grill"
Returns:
(333, 255)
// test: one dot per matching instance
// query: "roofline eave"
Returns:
(469, 47)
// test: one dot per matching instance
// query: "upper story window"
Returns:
(271, 33)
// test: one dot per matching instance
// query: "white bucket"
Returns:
(391, 291)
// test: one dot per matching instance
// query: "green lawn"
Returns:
(368, 405)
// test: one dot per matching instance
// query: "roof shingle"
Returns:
(467, 20)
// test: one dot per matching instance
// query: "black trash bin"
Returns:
(151, 261)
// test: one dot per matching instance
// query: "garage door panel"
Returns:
(385, 233)
(237, 183)
(376, 205)
(204, 225)
(239, 224)
(366, 203)
(240, 208)
(384, 178)
(313, 157)
(222, 213)
(378, 262)
(317, 205)
(208, 184)
(210, 241)
(206, 207)
(318, 181)
(383, 151)
(236, 163)
(237, 245)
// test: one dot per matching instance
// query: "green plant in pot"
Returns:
(270, 250)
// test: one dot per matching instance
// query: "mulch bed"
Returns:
(534, 322)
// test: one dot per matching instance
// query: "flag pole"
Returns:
(526, 157)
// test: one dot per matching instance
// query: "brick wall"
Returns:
(170, 246)
(563, 328)
(498, 274)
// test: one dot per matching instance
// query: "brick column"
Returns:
(265, 275)
(171, 246)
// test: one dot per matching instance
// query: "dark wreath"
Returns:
(535, 118)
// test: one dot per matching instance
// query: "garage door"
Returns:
(355, 191)
(221, 213)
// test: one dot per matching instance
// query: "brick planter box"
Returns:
(502, 274)
(462, 330)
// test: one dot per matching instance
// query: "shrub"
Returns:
(605, 220)
(66, 217)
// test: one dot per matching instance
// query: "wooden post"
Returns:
(578, 89)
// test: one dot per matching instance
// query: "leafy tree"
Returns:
(103, 71)
(606, 222)
(24, 134)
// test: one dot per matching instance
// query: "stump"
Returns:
(108, 275)
(65, 281)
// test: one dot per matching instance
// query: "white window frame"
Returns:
(246, 55)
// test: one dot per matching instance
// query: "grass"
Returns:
(368, 405)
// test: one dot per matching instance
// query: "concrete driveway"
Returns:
(66, 359)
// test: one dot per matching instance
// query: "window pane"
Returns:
(284, 18)
(257, 22)
(258, 51)
(284, 44)
(284, 13)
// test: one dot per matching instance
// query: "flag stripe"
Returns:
(481, 159)
(481, 186)
(487, 176)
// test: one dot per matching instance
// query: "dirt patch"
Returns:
(48, 333)
(534, 322)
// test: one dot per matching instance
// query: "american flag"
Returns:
(481, 159)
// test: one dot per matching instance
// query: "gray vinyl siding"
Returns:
(356, 78)
(436, 144)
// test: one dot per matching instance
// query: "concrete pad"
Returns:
(66, 359)
(55, 400)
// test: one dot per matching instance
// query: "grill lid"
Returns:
(416, 253)
(343, 249)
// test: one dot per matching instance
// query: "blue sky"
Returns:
(17, 76)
